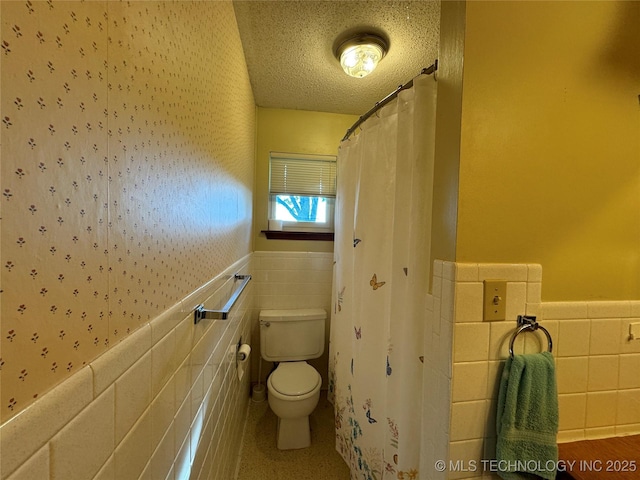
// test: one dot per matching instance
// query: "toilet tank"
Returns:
(292, 335)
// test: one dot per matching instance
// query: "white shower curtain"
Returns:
(381, 279)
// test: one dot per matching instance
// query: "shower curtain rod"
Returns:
(387, 99)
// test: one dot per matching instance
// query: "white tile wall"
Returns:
(165, 403)
(437, 385)
(285, 280)
(596, 364)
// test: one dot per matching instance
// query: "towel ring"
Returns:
(529, 323)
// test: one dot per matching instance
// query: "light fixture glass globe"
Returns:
(360, 60)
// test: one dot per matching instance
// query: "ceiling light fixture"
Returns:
(360, 55)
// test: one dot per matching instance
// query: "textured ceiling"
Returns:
(288, 46)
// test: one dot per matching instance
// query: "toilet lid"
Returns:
(295, 378)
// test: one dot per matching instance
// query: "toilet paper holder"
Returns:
(241, 355)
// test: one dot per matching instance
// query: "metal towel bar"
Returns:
(200, 313)
(529, 323)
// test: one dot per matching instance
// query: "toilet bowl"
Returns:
(294, 391)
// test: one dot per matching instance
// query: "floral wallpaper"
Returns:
(127, 144)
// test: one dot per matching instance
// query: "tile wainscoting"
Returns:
(596, 363)
(164, 403)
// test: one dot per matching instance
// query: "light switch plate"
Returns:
(634, 331)
(495, 300)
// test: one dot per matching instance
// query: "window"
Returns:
(302, 191)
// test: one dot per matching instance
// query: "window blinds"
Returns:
(313, 175)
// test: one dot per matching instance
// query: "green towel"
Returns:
(527, 418)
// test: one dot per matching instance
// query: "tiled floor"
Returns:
(261, 460)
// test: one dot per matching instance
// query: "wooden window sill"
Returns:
(288, 235)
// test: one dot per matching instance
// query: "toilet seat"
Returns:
(294, 378)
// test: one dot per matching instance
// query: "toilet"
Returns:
(289, 338)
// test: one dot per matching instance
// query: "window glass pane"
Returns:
(298, 208)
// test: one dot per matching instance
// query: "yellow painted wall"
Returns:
(291, 131)
(550, 148)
